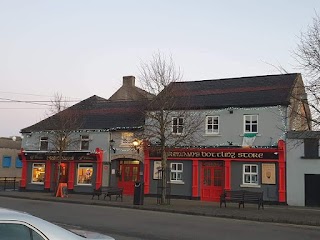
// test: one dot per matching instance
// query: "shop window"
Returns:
(85, 171)
(6, 162)
(18, 163)
(84, 142)
(44, 143)
(38, 171)
(250, 174)
(250, 123)
(176, 172)
(311, 148)
(177, 125)
(212, 125)
(126, 138)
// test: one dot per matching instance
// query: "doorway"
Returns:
(128, 175)
(312, 190)
(212, 176)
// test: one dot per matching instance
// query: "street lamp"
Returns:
(136, 144)
(111, 143)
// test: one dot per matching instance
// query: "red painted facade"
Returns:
(70, 162)
(228, 156)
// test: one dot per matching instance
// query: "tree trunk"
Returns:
(164, 176)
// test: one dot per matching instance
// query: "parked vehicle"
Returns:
(16, 225)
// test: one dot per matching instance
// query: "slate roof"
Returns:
(98, 113)
(256, 91)
(10, 144)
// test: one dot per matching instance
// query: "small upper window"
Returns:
(44, 143)
(311, 148)
(84, 142)
(250, 123)
(177, 125)
(212, 125)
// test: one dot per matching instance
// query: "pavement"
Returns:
(271, 213)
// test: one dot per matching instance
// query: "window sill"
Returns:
(250, 186)
(177, 182)
(84, 184)
(38, 183)
(312, 158)
(212, 135)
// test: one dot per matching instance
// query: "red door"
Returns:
(129, 174)
(211, 181)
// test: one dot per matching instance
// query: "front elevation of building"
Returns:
(97, 147)
(241, 136)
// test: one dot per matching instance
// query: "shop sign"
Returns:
(268, 173)
(215, 155)
(56, 157)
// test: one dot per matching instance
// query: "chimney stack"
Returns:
(129, 81)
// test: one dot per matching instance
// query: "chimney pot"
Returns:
(129, 81)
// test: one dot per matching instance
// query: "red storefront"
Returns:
(213, 170)
(82, 171)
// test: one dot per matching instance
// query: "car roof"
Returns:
(50, 230)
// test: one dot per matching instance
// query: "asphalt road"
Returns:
(131, 224)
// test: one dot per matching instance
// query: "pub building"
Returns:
(203, 173)
(79, 170)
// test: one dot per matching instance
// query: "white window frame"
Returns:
(178, 171)
(250, 174)
(213, 132)
(245, 117)
(84, 138)
(33, 167)
(44, 139)
(81, 165)
(178, 125)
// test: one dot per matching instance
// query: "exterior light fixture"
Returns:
(136, 145)
(111, 143)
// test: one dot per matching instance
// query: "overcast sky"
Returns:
(80, 48)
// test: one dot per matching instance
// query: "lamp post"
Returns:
(111, 148)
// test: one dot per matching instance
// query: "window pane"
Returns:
(173, 176)
(38, 171)
(180, 121)
(175, 121)
(246, 178)
(179, 167)
(85, 172)
(175, 129)
(254, 128)
(216, 120)
(179, 176)
(254, 178)
(247, 169)
(254, 169)
(173, 166)
(209, 119)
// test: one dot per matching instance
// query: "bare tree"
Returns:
(167, 124)
(62, 125)
(307, 55)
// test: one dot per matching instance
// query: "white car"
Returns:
(15, 225)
